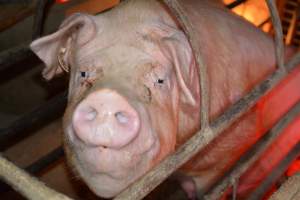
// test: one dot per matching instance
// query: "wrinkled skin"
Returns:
(134, 88)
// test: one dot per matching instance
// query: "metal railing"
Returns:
(33, 189)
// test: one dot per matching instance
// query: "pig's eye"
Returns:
(160, 81)
(86, 78)
(83, 74)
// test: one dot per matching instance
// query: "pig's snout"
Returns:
(105, 118)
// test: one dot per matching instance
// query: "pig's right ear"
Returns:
(176, 48)
(55, 49)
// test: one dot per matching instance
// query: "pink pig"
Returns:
(134, 89)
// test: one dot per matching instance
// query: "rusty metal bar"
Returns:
(259, 149)
(159, 173)
(275, 174)
(279, 45)
(28, 186)
(289, 190)
(38, 165)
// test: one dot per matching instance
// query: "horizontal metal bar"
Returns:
(256, 152)
(275, 174)
(235, 4)
(28, 186)
(289, 190)
(13, 56)
(22, 14)
(264, 22)
(9, 2)
(39, 165)
(45, 161)
(48, 110)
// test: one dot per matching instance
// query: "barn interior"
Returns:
(31, 108)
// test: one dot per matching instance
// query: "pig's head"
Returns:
(130, 84)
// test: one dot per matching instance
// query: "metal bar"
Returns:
(28, 186)
(235, 4)
(279, 45)
(35, 117)
(189, 149)
(39, 165)
(188, 28)
(9, 2)
(293, 61)
(19, 16)
(39, 17)
(14, 55)
(45, 161)
(257, 151)
(289, 190)
(264, 22)
(276, 173)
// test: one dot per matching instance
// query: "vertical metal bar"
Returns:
(39, 165)
(39, 17)
(188, 28)
(36, 116)
(279, 45)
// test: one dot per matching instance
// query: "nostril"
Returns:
(121, 117)
(87, 113)
(91, 114)
(106, 119)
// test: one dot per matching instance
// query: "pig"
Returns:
(134, 89)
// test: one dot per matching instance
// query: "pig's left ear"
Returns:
(54, 50)
(177, 49)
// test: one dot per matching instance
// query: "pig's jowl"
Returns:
(134, 88)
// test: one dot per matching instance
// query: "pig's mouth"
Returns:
(108, 170)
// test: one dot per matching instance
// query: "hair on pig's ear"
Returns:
(55, 49)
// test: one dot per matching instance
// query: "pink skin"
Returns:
(104, 118)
